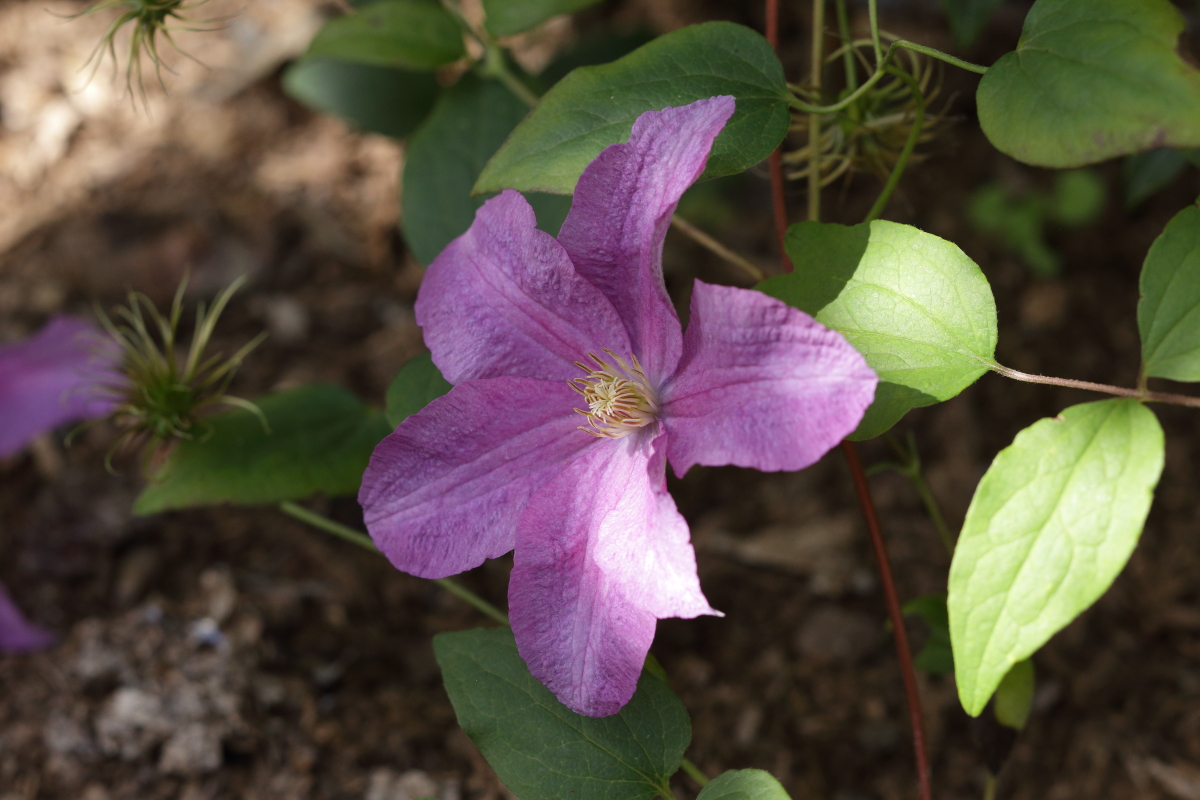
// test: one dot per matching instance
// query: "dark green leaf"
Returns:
(1090, 80)
(594, 107)
(444, 158)
(1078, 198)
(506, 17)
(594, 47)
(935, 657)
(392, 33)
(377, 99)
(1014, 696)
(1053, 521)
(919, 310)
(320, 440)
(968, 18)
(1169, 311)
(416, 385)
(744, 784)
(1146, 174)
(544, 751)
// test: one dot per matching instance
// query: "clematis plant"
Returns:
(574, 385)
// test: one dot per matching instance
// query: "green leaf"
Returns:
(594, 107)
(506, 17)
(1169, 311)
(392, 33)
(1146, 174)
(1078, 198)
(744, 784)
(416, 385)
(1014, 695)
(1052, 523)
(914, 305)
(377, 99)
(1090, 80)
(596, 46)
(320, 440)
(936, 656)
(544, 751)
(471, 119)
(968, 18)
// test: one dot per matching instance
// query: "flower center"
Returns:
(619, 397)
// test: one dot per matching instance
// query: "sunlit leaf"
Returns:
(319, 440)
(1169, 311)
(544, 751)
(744, 784)
(919, 310)
(392, 33)
(1051, 525)
(1090, 80)
(595, 106)
(1014, 696)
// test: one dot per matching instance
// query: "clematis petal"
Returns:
(601, 554)
(444, 491)
(17, 634)
(622, 208)
(760, 384)
(504, 299)
(48, 379)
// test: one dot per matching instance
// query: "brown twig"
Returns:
(704, 240)
(903, 651)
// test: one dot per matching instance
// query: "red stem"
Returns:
(775, 162)
(898, 631)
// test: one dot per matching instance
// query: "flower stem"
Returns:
(814, 117)
(909, 145)
(910, 467)
(694, 772)
(847, 46)
(880, 71)
(873, 15)
(706, 241)
(1137, 394)
(897, 618)
(362, 540)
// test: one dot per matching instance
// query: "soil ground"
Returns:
(235, 653)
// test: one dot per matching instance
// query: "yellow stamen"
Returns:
(619, 396)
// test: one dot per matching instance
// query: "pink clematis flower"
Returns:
(573, 386)
(50, 379)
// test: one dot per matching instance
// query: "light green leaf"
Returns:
(472, 119)
(1014, 695)
(968, 18)
(377, 99)
(594, 107)
(1169, 311)
(320, 440)
(1090, 80)
(1052, 523)
(744, 784)
(935, 657)
(416, 385)
(544, 751)
(913, 304)
(506, 17)
(392, 33)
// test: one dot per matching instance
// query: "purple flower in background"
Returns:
(573, 386)
(17, 634)
(51, 378)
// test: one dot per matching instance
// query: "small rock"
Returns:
(219, 592)
(63, 735)
(131, 723)
(194, 749)
(385, 784)
(288, 321)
